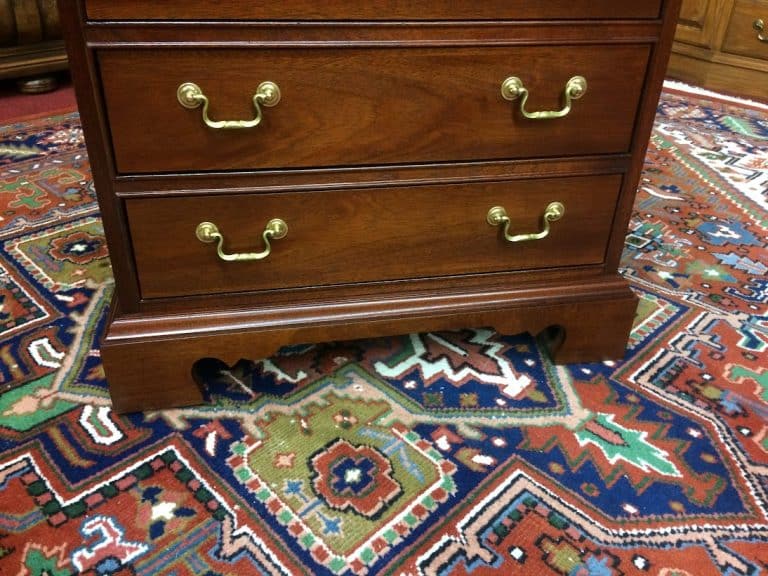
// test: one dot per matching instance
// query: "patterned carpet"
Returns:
(451, 454)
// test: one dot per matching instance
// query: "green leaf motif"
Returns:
(619, 443)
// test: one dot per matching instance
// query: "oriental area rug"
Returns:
(425, 454)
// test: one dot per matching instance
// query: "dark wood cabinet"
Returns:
(281, 173)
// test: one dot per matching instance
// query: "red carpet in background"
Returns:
(15, 106)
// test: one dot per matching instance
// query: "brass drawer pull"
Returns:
(759, 25)
(513, 88)
(208, 232)
(191, 96)
(498, 216)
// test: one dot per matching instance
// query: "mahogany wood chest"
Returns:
(273, 173)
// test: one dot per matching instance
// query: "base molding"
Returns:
(149, 358)
(730, 75)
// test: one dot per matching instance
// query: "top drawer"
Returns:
(360, 106)
(357, 10)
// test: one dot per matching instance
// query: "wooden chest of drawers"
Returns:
(723, 45)
(291, 172)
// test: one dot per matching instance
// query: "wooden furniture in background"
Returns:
(31, 47)
(723, 45)
(380, 193)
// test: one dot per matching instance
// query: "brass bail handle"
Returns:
(497, 216)
(513, 88)
(191, 96)
(208, 233)
(759, 25)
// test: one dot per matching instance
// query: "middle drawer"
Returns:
(367, 235)
(367, 106)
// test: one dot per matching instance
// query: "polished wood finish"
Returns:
(719, 48)
(697, 22)
(741, 38)
(386, 34)
(578, 322)
(361, 106)
(406, 232)
(390, 145)
(31, 47)
(334, 178)
(382, 10)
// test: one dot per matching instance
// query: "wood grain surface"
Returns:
(357, 10)
(741, 37)
(343, 107)
(367, 235)
(149, 361)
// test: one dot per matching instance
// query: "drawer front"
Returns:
(745, 35)
(357, 10)
(356, 106)
(367, 235)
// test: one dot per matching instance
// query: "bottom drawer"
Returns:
(367, 235)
